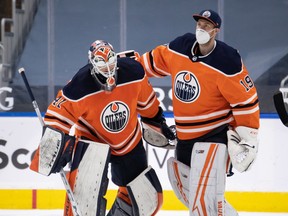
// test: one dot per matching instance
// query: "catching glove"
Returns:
(242, 147)
(157, 133)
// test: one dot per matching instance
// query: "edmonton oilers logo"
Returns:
(186, 86)
(115, 116)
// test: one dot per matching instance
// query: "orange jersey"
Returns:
(110, 118)
(208, 91)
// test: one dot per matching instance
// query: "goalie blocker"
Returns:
(88, 176)
(54, 151)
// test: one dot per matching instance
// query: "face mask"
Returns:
(202, 36)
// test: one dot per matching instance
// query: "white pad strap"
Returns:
(91, 181)
(145, 192)
(178, 174)
(207, 179)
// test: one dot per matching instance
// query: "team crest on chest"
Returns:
(186, 87)
(115, 116)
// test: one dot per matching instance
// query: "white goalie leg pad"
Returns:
(178, 174)
(209, 164)
(91, 180)
(229, 210)
(145, 192)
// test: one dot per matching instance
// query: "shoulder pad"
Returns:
(81, 84)
(225, 58)
(183, 44)
(129, 70)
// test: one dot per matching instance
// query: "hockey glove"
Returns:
(157, 133)
(54, 151)
(66, 156)
(242, 147)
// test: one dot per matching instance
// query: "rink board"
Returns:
(263, 189)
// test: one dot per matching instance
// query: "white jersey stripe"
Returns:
(60, 117)
(147, 101)
(147, 68)
(201, 129)
(200, 117)
(57, 124)
(245, 102)
(118, 152)
(246, 112)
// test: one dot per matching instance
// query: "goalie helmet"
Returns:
(104, 61)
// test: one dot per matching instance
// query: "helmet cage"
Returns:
(104, 61)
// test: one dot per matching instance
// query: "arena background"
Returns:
(62, 31)
(56, 47)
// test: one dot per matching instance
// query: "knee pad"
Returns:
(145, 192)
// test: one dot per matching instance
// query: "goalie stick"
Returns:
(75, 208)
(280, 107)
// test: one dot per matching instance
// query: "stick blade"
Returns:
(280, 107)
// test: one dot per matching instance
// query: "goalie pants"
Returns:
(184, 147)
(126, 168)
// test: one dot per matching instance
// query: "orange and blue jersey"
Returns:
(101, 116)
(208, 91)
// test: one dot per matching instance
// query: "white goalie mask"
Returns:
(104, 61)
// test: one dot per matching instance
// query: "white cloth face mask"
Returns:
(202, 36)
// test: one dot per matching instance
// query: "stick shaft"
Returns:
(75, 208)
